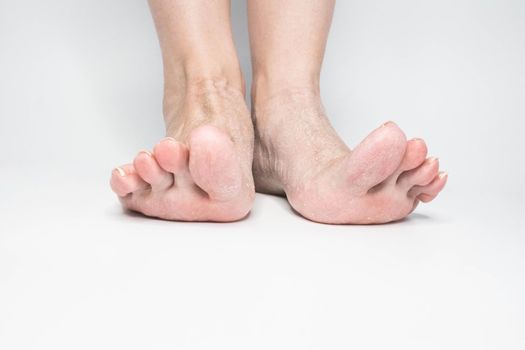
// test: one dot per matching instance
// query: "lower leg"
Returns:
(196, 48)
(288, 40)
(298, 153)
(202, 171)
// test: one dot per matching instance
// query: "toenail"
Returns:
(432, 159)
(120, 171)
(146, 152)
(170, 139)
(416, 139)
(388, 123)
(443, 175)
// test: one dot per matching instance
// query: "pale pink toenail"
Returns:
(168, 138)
(146, 152)
(120, 171)
(443, 175)
(432, 159)
(388, 123)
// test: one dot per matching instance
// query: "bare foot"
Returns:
(298, 154)
(202, 170)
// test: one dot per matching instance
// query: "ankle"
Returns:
(285, 102)
(268, 83)
(191, 72)
(191, 80)
(266, 92)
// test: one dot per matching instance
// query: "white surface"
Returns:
(80, 90)
(78, 273)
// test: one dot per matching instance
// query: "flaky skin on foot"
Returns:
(202, 171)
(382, 180)
(169, 184)
(215, 155)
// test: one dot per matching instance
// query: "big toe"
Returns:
(376, 157)
(214, 163)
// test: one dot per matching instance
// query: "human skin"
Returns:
(202, 171)
(299, 154)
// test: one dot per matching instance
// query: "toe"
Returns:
(430, 191)
(214, 164)
(172, 156)
(151, 172)
(421, 175)
(415, 155)
(377, 157)
(125, 180)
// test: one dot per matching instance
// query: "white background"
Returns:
(80, 92)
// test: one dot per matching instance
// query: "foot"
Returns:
(202, 170)
(298, 154)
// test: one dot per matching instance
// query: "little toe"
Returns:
(172, 156)
(125, 180)
(430, 191)
(151, 172)
(421, 175)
